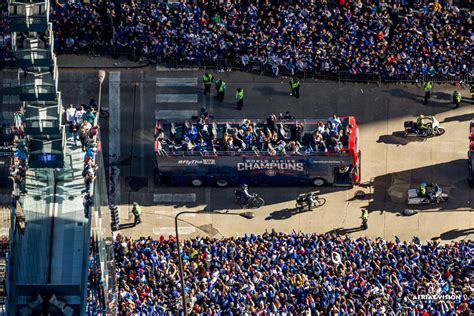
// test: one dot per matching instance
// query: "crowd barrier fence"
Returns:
(265, 68)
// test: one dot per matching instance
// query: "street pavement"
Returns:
(390, 164)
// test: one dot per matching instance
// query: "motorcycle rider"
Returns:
(421, 125)
(309, 200)
(422, 189)
(244, 193)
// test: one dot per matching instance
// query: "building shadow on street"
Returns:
(459, 118)
(454, 234)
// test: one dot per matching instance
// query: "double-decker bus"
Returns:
(261, 152)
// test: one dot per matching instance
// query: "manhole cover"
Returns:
(70, 198)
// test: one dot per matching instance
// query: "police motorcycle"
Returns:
(433, 127)
(434, 194)
(243, 198)
(310, 200)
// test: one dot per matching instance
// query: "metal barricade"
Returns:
(447, 79)
(401, 78)
(350, 77)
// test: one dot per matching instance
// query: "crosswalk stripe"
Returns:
(174, 197)
(171, 230)
(176, 82)
(172, 114)
(176, 98)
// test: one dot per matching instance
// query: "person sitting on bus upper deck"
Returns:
(335, 143)
(271, 150)
(295, 147)
(245, 125)
(319, 144)
(271, 122)
(321, 127)
(281, 146)
(187, 143)
(261, 141)
(299, 132)
(274, 137)
(201, 144)
(191, 130)
(249, 138)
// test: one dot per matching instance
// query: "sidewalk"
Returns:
(103, 62)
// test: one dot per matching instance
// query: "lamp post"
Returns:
(101, 78)
(247, 215)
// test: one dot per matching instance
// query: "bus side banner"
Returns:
(260, 163)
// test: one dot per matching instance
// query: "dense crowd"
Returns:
(362, 36)
(278, 273)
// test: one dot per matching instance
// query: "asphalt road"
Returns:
(390, 164)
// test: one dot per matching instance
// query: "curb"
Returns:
(104, 67)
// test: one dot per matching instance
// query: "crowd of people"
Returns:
(278, 135)
(364, 36)
(81, 126)
(297, 273)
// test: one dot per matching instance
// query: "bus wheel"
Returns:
(319, 182)
(196, 182)
(222, 183)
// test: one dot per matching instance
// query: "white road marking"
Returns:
(176, 82)
(114, 123)
(142, 129)
(174, 213)
(174, 197)
(173, 114)
(176, 98)
(171, 230)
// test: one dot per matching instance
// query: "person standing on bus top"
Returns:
(456, 98)
(335, 120)
(295, 87)
(204, 114)
(207, 79)
(239, 96)
(220, 89)
(137, 212)
(428, 86)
